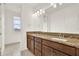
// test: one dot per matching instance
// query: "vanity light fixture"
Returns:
(37, 13)
(41, 11)
(53, 4)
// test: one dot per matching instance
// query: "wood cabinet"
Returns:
(37, 52)
(77, 52)
(43, 47)
(30, 43)
(46, 51)
(61, 47)
(38, 45)
(58, 53)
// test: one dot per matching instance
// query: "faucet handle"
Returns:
(59, 35)
(63, 35)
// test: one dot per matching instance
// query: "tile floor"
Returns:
(26, 53)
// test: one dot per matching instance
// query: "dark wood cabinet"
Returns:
(38, 45)
(46, 51)
(43, 47)
(58, 53)
(30, 43)
(37, 52)
(77, 52)
(61, 47)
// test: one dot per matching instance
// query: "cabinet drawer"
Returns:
(58, 53)
(69, 50)
(61, 47)
(38, 39)
(38, 46)
(52, 44)
(37, 53)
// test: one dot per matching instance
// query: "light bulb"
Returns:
(37, 11)
(35, 14)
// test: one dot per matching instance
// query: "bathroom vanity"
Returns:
(53, 44)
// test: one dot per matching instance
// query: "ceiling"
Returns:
(38, 6)
(34, 6)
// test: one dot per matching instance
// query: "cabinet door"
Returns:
(37, 52)
(38, 46)
(38, 39)
(77, 51)
(30, 44)
(46, 51)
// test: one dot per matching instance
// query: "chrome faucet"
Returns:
(61, 36)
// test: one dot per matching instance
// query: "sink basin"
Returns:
(58, 39)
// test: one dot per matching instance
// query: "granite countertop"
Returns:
(69, 41)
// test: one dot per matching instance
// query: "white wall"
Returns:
(0, 28)
(29, 23)
(11, 36)
(37, 23)
(0, 20)
(64, 20)
(26, 24)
